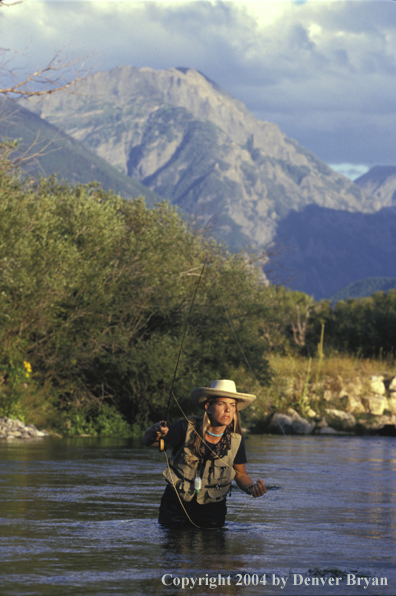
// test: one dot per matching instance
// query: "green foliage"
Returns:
(303, 398)
(94, 293)
(103, 420)
(15, 382)
(364, 327)
(287, 327)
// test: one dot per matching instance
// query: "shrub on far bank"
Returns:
(94, 295)
(96, 419)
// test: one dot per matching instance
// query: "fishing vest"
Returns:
(217, 474)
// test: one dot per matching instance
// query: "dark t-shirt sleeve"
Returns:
(177, 435)
(240, 457)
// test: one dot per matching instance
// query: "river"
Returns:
(79, 517)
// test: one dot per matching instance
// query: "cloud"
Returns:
(323, 71)
(352, 171)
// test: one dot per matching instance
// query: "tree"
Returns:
(292, 311)
(94, 294)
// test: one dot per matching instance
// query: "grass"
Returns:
(304, 383)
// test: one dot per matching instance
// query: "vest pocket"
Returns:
(223, 472)
(219, 478)
(187, 463)
(216, 494)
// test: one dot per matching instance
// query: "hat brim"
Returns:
(200, 395)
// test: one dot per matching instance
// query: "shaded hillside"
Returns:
(64, 156)
(191, 142)
(325, 250)
(380, 182)
(365, 287)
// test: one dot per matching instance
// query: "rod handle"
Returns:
(161, 441)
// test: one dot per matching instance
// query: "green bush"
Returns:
(15, 383)
(95, 291)
(103, 420)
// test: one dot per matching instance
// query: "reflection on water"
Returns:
(78, 516)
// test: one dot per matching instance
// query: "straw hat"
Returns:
(223, 388)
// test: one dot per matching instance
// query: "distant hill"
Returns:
(364, 288)
(324, 250)
(380, 182)
(188, 140)
(64, 156)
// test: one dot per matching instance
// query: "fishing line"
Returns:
(181, 501)
(185, 510)
(184, 336)
(236, 338)
(161, 442)
(211, 450)
(202, 439)
(177, 492)
(161, 439)
(232, 328)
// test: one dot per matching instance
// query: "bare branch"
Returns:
(7, 4)
(58, 75)
(44, 81)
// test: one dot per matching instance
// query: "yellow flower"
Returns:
(28, 367)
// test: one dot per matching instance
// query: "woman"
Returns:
(200, 472)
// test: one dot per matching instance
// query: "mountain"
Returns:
(58, 153)
(365, 287)
(188, 140)
(380, 182)
(324, 250)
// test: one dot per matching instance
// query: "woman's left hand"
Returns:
(243, 480)
(258, 489)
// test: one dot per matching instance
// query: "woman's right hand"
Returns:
(156, 432)
(161, 429)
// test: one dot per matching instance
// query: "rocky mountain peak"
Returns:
(188, 140)
(380, 182)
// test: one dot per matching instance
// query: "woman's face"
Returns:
(221, 411)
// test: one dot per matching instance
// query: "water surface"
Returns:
(79, 517)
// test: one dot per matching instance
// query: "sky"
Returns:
(323, 71)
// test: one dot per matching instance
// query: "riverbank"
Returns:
(15, 429)
(337, 395)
